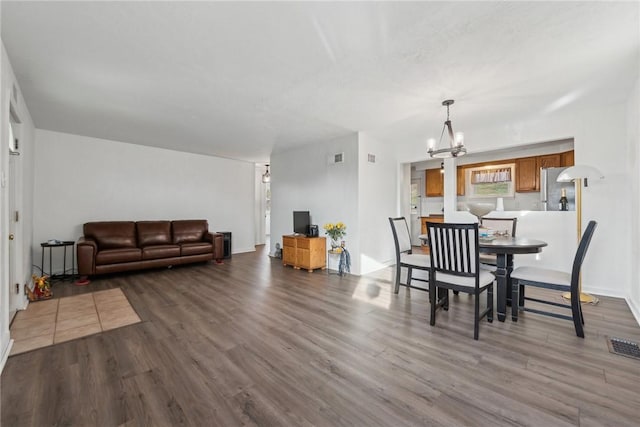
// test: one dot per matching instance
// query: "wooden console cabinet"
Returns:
(304, 252)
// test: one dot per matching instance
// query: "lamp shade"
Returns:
(579, 172)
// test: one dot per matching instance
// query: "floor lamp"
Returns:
(580, 174)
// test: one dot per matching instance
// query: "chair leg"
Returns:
(490, 303)
(521, 300)
(445, 300)
(515, 291)
(409, 273)
(396, 289)
(575, 312)
(432, 301)
(476, 321)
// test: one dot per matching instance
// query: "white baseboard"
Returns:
(5, 354)
(635, 309)
(243, 250)
(604, 292)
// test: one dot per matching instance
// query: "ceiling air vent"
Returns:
(371, 158)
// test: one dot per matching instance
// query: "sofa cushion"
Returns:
(196, 248)
(160, 251)
(112, 234)
(114, 256)
(189, 231)
(153, 233)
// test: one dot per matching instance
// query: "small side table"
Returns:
(331, 254)
(64, 245)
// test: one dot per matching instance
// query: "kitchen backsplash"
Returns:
(521, 202)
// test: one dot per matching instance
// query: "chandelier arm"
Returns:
(451, 139)
(441, 134)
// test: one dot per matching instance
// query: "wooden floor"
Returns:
(252, 343)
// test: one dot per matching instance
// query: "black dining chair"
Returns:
(499, 225)
(404, 255)
(455, 265)
(556, 280)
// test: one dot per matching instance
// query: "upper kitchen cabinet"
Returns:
(528, 169)
(527, 174)
(434, 186)
(567, 159)
(550, 161)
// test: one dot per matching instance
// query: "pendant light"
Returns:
(266, 177)
(456, 146)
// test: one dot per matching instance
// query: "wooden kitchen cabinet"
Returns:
(304, 252)
(527, 175)
(434, 186)
(549, 161)
(460, 181)
(425, 219)
(567, 159)
(434, 183)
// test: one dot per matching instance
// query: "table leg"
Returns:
(503, 277)
(50, 264)
(64, 264)
(42, 263)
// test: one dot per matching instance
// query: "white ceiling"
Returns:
(243, 79)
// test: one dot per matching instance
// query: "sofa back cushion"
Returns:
(112, 234)
(153, 233)
(188, 231)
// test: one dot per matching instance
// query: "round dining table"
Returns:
(505, 247)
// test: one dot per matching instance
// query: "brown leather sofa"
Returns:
(114, 246)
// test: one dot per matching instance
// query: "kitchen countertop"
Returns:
(433, 216)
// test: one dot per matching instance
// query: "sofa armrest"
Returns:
(86, 255)
(218, 244)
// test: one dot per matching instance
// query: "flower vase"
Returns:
(334, 245)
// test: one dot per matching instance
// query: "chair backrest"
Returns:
(501, 224)
(581, 253)
(401, 236)
(454, 248)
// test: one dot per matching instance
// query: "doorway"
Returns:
(416, 205)
(15, 298)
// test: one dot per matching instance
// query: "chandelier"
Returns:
(456, 141)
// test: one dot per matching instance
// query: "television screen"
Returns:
(301, 222)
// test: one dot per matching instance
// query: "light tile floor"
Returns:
(54, 321)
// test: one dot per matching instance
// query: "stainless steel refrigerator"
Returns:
(551, 190)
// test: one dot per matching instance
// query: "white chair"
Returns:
(497, 224)
(404, 255)
(455, 265)
(553, 279)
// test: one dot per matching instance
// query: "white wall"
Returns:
(633, 156)
(24, 201)
(377, 186)
(302, 179)
(80, 179)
